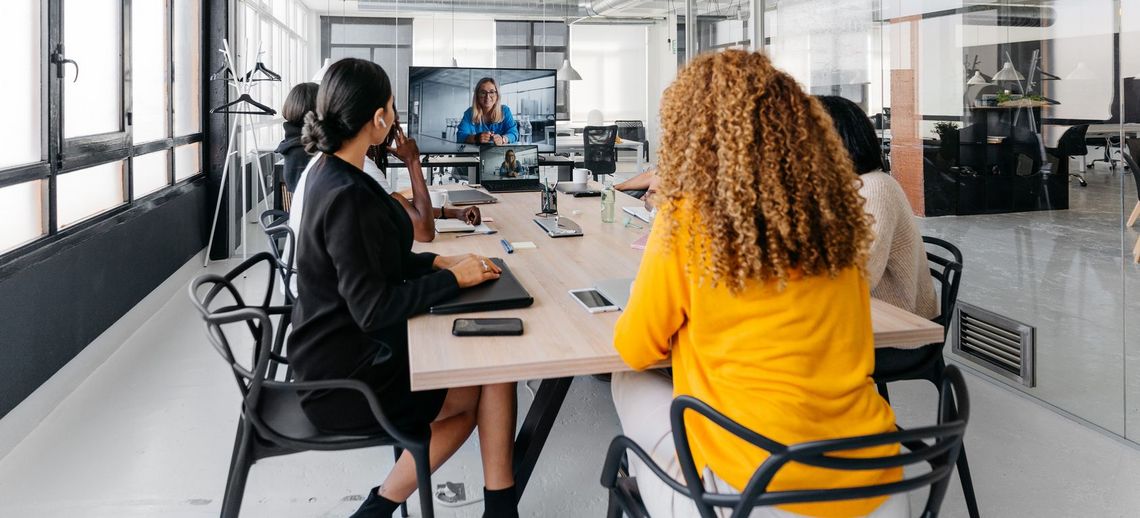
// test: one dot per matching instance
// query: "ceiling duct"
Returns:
(1010, 16)
(606, 7)
(505, 7)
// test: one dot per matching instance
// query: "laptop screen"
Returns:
(508, 163)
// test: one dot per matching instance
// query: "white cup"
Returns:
(581, 175)
(438, 198)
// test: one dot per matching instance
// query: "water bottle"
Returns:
(608, 199)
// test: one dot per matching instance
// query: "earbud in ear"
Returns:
(384, 124)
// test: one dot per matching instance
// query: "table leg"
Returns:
(536, 428)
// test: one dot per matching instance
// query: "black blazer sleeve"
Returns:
(356, 243)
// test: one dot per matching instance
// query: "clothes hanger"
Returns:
(262, 109)
(223, 74)
(260, 68)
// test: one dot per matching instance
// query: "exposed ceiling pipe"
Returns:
(605, 7)
(583, 9)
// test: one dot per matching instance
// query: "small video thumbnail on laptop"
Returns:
(508, 163)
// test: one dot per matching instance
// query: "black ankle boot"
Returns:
(500, 503)
(376, 506)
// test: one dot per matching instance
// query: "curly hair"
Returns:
(769, 188)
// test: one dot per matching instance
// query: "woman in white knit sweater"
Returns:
(897, 263)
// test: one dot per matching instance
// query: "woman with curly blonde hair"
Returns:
(753, 283)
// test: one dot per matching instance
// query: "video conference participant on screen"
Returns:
(511, 168)
(487, 121)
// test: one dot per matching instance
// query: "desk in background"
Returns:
(561, 339)
(576, 144)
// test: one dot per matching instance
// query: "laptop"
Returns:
(639, 213)
(509, 168)
(503, 293)
(615, 290)
(461, 197)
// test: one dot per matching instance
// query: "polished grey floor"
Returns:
(1067, 273)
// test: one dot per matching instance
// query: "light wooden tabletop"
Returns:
(561, 339)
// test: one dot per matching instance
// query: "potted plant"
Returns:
(948, 136)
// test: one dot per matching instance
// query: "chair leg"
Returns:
(1135, 214)
(967, 484)
(240, 463)
(1136, 251)
(398, 451)
(423, 480)
(613, 509)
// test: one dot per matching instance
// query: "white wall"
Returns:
(612, 60)
(474, 41)
(662, 69)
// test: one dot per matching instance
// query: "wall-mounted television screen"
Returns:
(457, 110)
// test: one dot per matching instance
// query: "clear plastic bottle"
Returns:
(609, 196)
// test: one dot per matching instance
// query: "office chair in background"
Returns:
(1072, 143)
(600, 155)
(635, 131)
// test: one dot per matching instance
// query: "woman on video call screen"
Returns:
(487, 121)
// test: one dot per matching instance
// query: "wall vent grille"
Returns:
(997, 343)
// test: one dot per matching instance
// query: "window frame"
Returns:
(60, 155)
(562, 104)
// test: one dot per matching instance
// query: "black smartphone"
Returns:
(487, 327)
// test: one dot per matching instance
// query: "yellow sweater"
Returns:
(793, 365)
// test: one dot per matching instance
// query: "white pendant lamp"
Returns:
(978, 79)
(1008, 73)
(321, 73)
(567, 72)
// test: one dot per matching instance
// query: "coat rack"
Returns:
(245, 107)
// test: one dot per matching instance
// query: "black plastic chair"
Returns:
(927, 362)
(599, 154)
(633, 130)
(940, 454)
(272, 421)
(1072, 143)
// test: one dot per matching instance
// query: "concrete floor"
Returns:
(149, 433)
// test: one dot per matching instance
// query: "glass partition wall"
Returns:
(1008, 124)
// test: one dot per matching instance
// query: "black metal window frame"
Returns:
(563, 87)
(61, 156)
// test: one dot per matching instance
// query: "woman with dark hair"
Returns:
(487, 121)
(896, 262)
(359, 282)
(300, 101)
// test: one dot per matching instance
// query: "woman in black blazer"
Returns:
(359, 282)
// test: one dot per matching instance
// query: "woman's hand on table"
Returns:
(473, 270)
(469, 215)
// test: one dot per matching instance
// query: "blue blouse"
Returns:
(506, 127)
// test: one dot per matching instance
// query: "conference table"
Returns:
(561, 340)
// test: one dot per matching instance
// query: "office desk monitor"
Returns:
(509, 168)
(440, 100)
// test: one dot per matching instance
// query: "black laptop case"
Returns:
(503, 293)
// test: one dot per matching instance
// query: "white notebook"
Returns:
(453, 225)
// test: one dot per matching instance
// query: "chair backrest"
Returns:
(220, 304)
(946, 267)
(940, 453)
(1072, 141)
(223, 309)
(283, 246)
(599, 154)
(1133, 145)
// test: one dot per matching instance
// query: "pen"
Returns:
(507, 246)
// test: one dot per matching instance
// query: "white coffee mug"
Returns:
(581, 175)
(438, 198)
